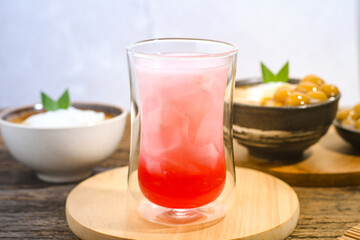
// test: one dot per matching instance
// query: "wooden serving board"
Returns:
(265, 208)
(331, 162)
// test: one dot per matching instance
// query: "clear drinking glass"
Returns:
(181, 156)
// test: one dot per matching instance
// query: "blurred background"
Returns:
(80, 45)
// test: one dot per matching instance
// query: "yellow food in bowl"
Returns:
(350, 117)
(310, 90)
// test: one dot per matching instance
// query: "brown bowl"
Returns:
(350, 135)
(280, 133)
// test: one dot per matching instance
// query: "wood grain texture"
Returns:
(351, 234)
(31, 209)
(331, 162)
(265, 208)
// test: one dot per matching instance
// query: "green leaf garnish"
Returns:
(62, 103)
(268, 76)
(281, 76)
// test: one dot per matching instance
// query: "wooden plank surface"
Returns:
(31, 209)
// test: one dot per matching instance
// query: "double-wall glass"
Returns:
(181, 156)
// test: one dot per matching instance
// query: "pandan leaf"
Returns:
(62, 103)
(281, 76)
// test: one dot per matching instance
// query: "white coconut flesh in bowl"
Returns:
(62, 145)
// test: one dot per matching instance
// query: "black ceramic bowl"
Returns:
(350, 135)
(280, 133)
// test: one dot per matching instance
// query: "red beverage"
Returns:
(182, 162)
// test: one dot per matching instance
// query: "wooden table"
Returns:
(31, 209)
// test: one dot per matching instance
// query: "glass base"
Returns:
(209, 213)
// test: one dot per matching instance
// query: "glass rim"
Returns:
(130, 50)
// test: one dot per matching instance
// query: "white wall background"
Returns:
(52, 45)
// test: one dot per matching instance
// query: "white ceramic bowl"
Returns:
(63, 154)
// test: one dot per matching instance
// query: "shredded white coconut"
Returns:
(257, 93)
(71, 117)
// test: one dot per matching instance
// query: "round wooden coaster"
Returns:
(331, 162)
(265, 208)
